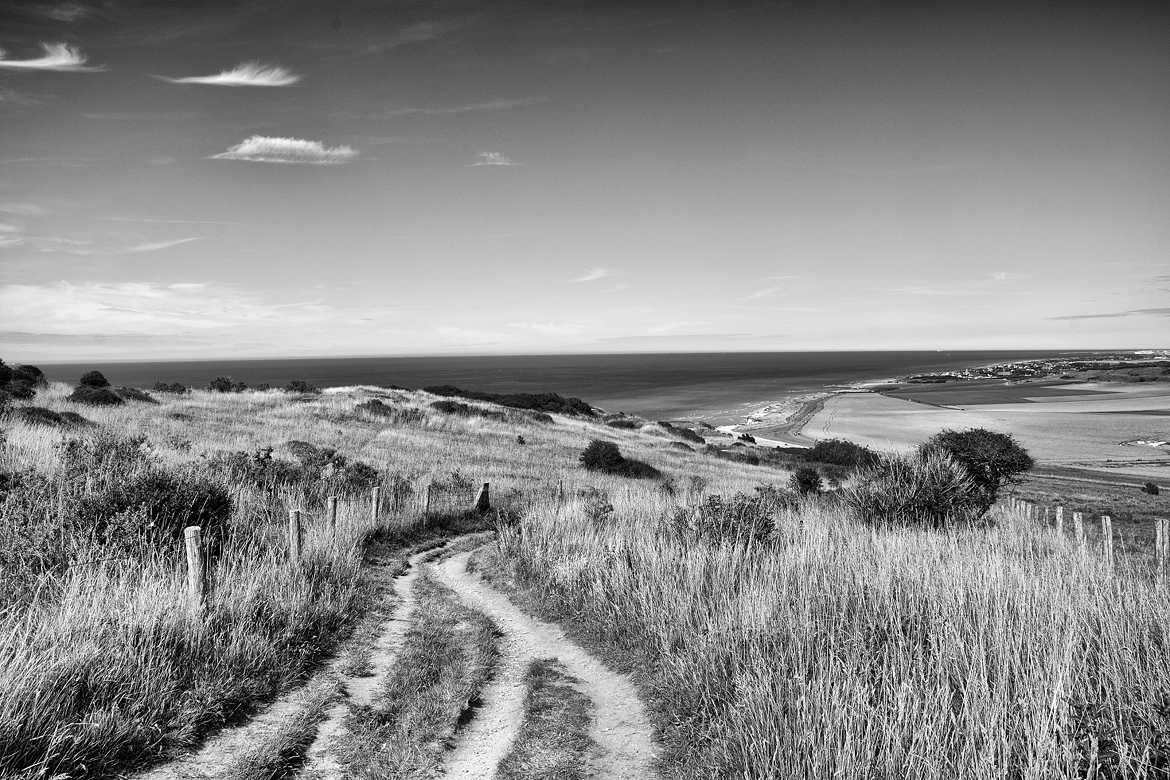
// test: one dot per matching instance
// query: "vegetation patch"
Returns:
(541, 402)
(606, 457)
(95, 396)
(554, 741)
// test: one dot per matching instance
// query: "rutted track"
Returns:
(621, 727)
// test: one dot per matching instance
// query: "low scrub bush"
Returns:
(95, 396)
(301, 386)
(740, 517)
(403, 415)
(1151, 488)
(806, 480)
(683, 433)
(331, 473)
(20, 382)
(929, 489)
(606, 457)
(134, 394)
(541, 402)
(624, 423)
(992, 459)
(464, 410)
(93, 379)
(37, 415)
(173, 388)
(840, 452)
(225, 384)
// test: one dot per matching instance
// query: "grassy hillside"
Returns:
(768, 636)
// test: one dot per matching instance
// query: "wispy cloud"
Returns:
(161, 221)
(267, 149)
(760, 294)
(591, 275)
(23, 209)
(248, 74)
(158, 246)
(496, 159)
(62, 12)
(490, 105)
(57, 57)
(1160, 311)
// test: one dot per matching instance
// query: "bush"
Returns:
(840, 452)
(20, 382)
(36, 415)
(134, 394)
(1151, 488)
(406, 415)
(301, 386)
(463, 410)
(686, 434)
(330, 472)
(225, 384)
(93, 379)
(604, 456)
(747, 437)
(541, 402)
(624, 423)
(929, 488)
(678, 445)
(95, 396)
(806, 480)
(174, 388)
(740, 518)
(992, 459)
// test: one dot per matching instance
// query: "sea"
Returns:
(717, 387)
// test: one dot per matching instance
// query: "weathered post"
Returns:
(483, 500)
(427, 505)
(1079, 528)
(196, 575)
(1107, 539)
(332, 515)
(375, 501)
(1060, 520)
(1161, 548)
(294, 535)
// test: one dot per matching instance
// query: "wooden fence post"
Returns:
(332, 515)
(196, 575)
(1161, 549)
(375, 503)
(1107, 538)
(483, 501)
(294, 535)
(1060, 520)
(1079, 528)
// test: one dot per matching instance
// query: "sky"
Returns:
(368, 177)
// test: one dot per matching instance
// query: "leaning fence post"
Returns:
(427, 506)
(332, 515)
(294, 535)
(483, 500)
(1107, 538)
(193, 541)
(375, 502)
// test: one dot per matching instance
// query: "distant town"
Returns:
(1141, 366)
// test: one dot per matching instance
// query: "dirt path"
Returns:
(621, 727)
(223, 751)
(320, 761)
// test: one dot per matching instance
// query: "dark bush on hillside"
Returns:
(93, 379)
(678, 445)
(541, 402)
(929, 489)
(685, 434)
(1151, 488)
(258, 469)
(624, 423)
(806, 480)
(748, 438)
(19, 382)
(331, 472)
(37, 415)
(992, 459)
(406, 415)
(840, 452)
(604, 456)
(463, 410)
(174, 388)
(301, 386)
(95, 396)
(134, 394)
(225, 384)
(540, 417)
(739, 518)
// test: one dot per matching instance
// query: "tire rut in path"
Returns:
(221, 752)
(620, 727)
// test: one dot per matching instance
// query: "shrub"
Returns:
(37, 415)
(678, 445)
(806, 480)
(134, 394)
(992, 459)
(686, 434)
(93, 379)
(748, 438)
(840, 452)
(624, 423)
(541, 402)
(174, 388)
(741, 517)
(604, 456)
(929, 488)
(225, 384)
(95, 396)
(463, 410)
(406, 415)
(543, 418)
(301, 386)
(1151, 488)
(20, 382)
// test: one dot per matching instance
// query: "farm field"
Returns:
(1086, 426)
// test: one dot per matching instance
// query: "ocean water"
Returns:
(720, 387)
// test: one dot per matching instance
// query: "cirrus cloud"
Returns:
(248, 74)
(60, 57)
(493, 159)
(269, 149)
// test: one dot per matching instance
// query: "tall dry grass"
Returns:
(844, 650)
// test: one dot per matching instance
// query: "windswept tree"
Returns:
(993, 459)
